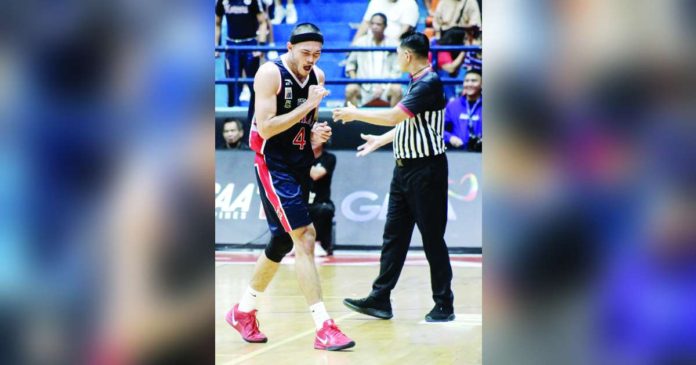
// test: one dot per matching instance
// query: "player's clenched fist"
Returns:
(316, 94)
(321, 132)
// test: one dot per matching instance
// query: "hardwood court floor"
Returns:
(405, 339)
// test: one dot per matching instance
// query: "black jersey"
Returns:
(291, 146)
(322, 187)
(241, 17)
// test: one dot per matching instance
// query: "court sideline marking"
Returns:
(283, 342)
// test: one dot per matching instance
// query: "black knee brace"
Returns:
(279, 247)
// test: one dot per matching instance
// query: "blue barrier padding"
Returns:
(343, 49)
(343, 81)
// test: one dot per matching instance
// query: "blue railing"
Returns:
(333, 81)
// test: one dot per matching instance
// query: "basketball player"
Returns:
(287, 94)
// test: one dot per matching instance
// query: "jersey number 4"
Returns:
(300, 139)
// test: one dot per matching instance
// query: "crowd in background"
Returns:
(447, 23)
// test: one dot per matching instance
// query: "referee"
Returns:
(418, 192)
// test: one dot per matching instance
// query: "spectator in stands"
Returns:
(246, 26)
(453, 14)
(233, 133)
(289, 12)
(472, 59)
(267, 8)
(321, 208)
(431, 5)
(449, 63)
(402, 16)
(374, 65)
(464, 116)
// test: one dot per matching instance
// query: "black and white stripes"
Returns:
(420, 136)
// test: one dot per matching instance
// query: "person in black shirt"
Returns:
(232, 136)
(321, 208)
(246, 26)
(418, 192)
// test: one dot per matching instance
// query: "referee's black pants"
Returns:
(418, 195)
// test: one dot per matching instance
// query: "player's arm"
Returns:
(321, 77)
(266, 85)
(321, 132)
(388, 117)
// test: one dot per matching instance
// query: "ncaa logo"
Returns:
(279, 212)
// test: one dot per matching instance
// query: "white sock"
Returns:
(319, 314)
(248, 302)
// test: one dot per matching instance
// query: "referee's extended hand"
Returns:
(344, 114)
(372, 143)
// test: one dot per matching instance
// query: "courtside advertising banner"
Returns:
(360, 191)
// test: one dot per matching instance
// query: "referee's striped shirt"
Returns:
(421, 135)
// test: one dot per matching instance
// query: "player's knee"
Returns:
(278, 247)
(305, 244)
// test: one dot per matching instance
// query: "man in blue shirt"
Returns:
(464, 116)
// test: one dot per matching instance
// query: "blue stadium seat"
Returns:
(333, 17)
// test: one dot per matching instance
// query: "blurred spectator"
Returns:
(267, 7)
(233, 133)
(449, 63)
(402, 16)
(246, 26)
(373, 65)
(464, 116)
(431, 5)
(321, 208)
(472, 37)
(453, 14)
(289, 12)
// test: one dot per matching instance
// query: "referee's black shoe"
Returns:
(440, 313)
(370, 306)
